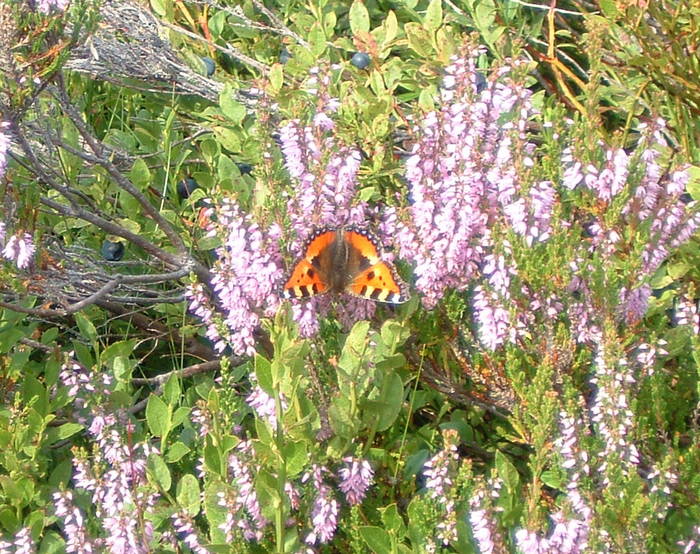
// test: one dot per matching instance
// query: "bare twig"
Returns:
(230, 50)
(109, 287)
(38, 312)
(184, 372)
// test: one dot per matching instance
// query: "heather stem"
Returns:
(282, 470)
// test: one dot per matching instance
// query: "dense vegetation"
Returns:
(530, 171)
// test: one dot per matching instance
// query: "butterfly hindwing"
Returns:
(380, 283)
(377, 280)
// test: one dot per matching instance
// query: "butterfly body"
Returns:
(345, 261)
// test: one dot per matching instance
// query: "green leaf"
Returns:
(359, 17)
(317, 40)
(263, 371)
(159, 7)
(55, 434)
(276, 77)
(180, 415)
(386, 409)
(507, 472)
(87, 329)
(49, 335)
(157, 416)
(394, 334)
(425, 99)
(212, 459)
(355, 347)
(122, 348)
(553, 479)
(433, 16)
(608, 8)
(140, 175)
(188, 494)
(9, 337)
(122, 368)
(172, 389)
(231, 108)
(176, 451)
(418, 39)
(391, 28)
(678, 269)
(391, 362)
(296, 457)
(52, 543)
(392, 520)
(61, 474)
(693, 186)
(158, 471)
(228, 138)
(376, 538)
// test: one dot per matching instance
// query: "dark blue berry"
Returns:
(360, 60)
(244, 168)
(186, 187)
(209, 65)
(112, 251)
(480, 81)
(285, 56)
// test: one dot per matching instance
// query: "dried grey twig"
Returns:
(129, 50)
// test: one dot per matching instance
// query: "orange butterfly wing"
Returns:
(379, 281)
(306, 279)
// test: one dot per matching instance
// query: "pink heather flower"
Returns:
(19, 249)
(77, 539)
(201, 419)
(492, 318)
(482, 517)
(633, 304)
(4, 146)
(654, 203)
(324, 517)
(47, 6)
(687, 313)
(23, 543)
(355, 479)
(117, 480)
(646, 356)
(187, 533)
(569, 535)
(461, 177)
(293, 494)
(323, 171)
(608, 182)
(611, 413)
(693, 543)
(246, 498)
(438, 472)
(530, 216)
(246, 279)
(660, 485)
(264, 405)
(322, 168)
(324, 512)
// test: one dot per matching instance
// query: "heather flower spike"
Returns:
(355, 479)
(246, 281)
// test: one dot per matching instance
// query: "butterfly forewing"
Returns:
(309, 276)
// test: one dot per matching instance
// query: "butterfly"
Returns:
(345, 260)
